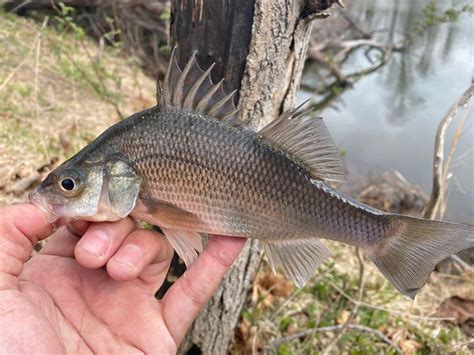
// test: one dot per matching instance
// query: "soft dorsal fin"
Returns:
(307, 141)
(192, 88)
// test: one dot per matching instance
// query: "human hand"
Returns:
(91, 288)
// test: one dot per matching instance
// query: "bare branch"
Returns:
(433, 203)
(462, 263)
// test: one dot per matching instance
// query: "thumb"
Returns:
(21, 226)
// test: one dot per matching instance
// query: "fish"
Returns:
(191, 166)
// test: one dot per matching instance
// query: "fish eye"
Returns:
(68, 184)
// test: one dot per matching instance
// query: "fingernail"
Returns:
(96, 244)
(129, 255)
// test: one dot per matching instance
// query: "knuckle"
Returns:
(220, 254)
(197, 296)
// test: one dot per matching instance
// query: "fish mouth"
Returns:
(50, 209)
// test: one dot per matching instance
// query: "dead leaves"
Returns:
(410, 347)
(459, 311)
(343, 317)
(268, 286)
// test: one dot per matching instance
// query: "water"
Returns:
(388, 120)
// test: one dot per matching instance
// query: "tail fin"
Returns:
(408, 258)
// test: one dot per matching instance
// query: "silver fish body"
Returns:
(181, 165)
(235, 183)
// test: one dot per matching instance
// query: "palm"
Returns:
(63, 306)
(98, 312)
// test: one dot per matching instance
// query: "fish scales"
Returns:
(188, 166)
(237, 184)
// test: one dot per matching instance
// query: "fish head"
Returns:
(91, 190)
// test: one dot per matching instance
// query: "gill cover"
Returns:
(122, 187)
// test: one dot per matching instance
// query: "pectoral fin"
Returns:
(187, 244)
(166, 215)
(297, 258)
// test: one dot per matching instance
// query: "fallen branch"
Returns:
(333, 328)
(22, 185)
(380, 308)
(342, 50)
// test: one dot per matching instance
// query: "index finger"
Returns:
(188, 295)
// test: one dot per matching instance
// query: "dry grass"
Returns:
(58, 91)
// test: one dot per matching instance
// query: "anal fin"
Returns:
(298, 258)
(187, 244)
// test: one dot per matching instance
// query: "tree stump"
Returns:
(259, 47)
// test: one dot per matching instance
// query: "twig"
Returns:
(462, 263)
(353, 314)
(22, 185)
(354, 25)
(12, 74)
(380, 308)
(460, 159)
(431, 207)
(25, 59)
(297, 292)
(333, 328)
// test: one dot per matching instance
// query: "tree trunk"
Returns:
(259, 47)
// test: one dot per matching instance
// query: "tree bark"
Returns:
(259, 47)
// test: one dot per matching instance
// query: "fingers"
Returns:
(64, 240)
(26, 220)
(128, 253)
(144, 254)
(21, 226)
(101, 241)
(185, 299)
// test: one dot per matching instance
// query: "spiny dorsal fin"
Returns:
(307, 141)
(192, 88)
